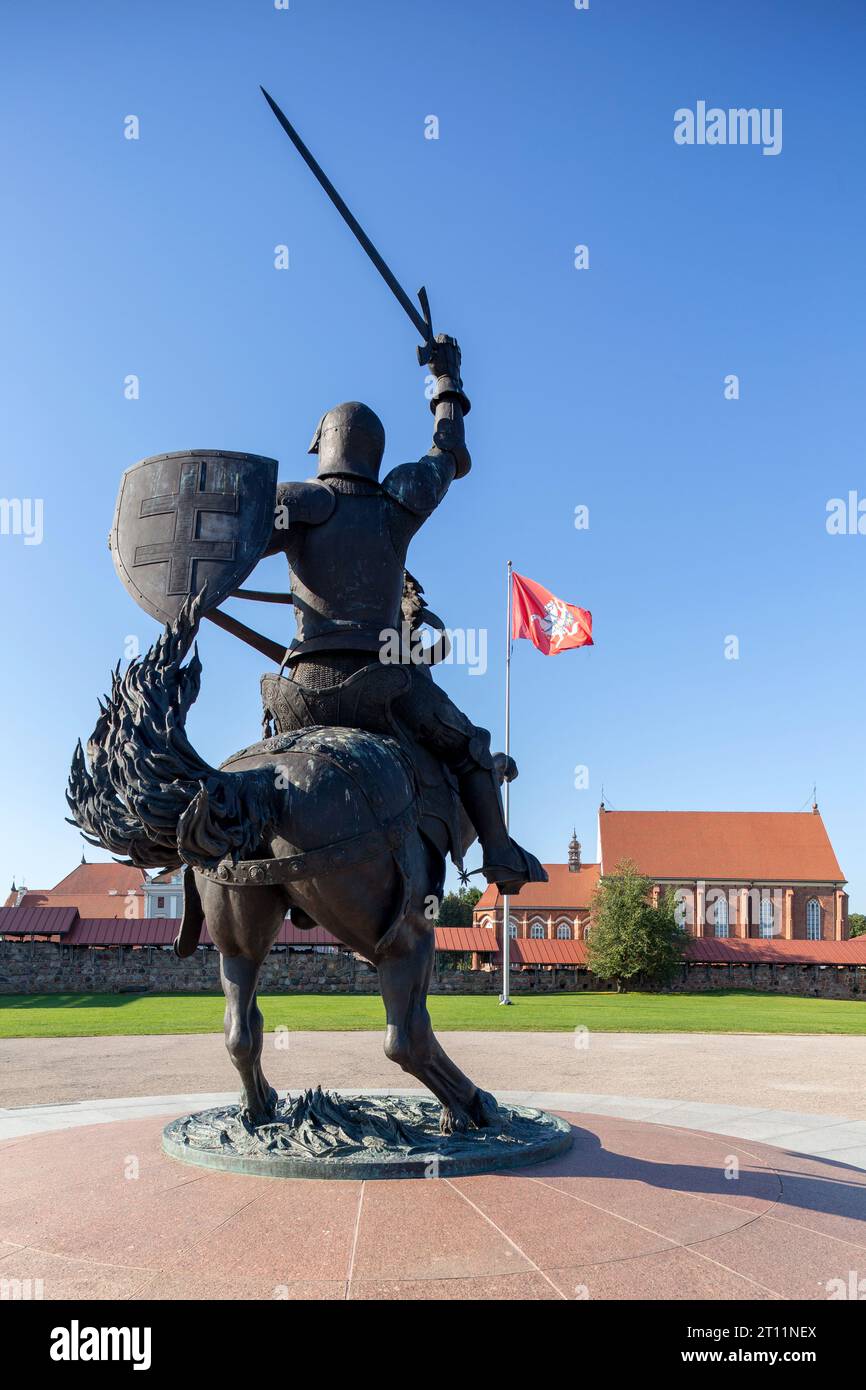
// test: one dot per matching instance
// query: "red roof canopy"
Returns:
(776, 951)
(526, 951)
(123, 931)
(36, 921)
(161, 931)
(466, 939)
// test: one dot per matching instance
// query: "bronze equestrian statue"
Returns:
(344, 815)
(368, 776)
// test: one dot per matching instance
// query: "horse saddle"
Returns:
(361, 701)
(364, 700)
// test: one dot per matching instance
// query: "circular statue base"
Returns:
(320, 1135)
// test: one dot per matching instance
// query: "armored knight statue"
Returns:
(366, 779)
(346, 535)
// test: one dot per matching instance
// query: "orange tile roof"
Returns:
(33, 897)
(564, 888)
(787, 846)
(96, 890)
(88, 904)
(100, 878)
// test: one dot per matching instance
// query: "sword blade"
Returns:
(422, 325)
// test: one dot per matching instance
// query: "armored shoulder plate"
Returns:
(420, 487)
(309, 502)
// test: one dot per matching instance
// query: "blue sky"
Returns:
(602, 387)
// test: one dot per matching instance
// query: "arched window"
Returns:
(512, 929)
(537, 932)
(766, 922)
(563, 932)
(682, 911)
(586, 932)
(813, 920)
(721, 916)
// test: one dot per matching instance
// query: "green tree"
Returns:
(455, 909)
(857, 923)
(631, 938)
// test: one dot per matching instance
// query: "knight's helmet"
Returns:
(350, 440)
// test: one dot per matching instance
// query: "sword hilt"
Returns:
(426, 349)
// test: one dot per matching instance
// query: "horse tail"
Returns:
(147, 793)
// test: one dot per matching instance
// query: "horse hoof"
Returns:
(485, 1111)
(260, 1112)
(254, 1118)
(482, 1112)
(453, 1120)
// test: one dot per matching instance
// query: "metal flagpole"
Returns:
(504, 997)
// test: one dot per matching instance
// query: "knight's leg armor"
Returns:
(349, 690)
(437, 723)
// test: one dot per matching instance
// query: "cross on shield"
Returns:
(190, 521)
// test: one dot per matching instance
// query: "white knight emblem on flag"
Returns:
(557, 621)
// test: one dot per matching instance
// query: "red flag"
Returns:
(551, 625)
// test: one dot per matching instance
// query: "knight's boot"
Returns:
(506, 863)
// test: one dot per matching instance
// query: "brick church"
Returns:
(741, 874)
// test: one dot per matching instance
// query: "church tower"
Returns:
(574, 853)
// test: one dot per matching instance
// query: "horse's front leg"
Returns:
(404, 977)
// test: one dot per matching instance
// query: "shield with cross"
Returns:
(188, 521)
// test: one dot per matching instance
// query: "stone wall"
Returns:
(46, 967)
(821, 981)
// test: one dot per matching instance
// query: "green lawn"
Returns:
(734, 1011)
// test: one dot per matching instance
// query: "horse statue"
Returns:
(322, 822)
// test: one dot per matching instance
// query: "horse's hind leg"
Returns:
(244, 924)
(404, 977)
(244, 1030)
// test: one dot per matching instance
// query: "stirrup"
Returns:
(494, 873)
(508, 878)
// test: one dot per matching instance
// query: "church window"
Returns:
(766, 923)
